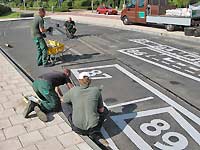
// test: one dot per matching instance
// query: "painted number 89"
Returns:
(176, 140)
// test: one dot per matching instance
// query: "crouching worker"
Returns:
(47, 89)
(85, 110)
(70, 28)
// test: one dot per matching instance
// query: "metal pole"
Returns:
(92, 4)
(24, 4)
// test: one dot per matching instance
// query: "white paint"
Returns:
(150, 55)
(93, 73)
(130, 102)
(155, 59)
(164, 62)
(189, 71)
(107, 137)
(162, 66)
(181, 64)
(168, 59)
(176, 67)
(181, 144)
(163, 97)
(119, 120)
(154, 123)
(195, 69)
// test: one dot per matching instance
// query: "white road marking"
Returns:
(164, 62)
(73, 50)
(189, 71)
(119, 120)
(176, 66)
(107, 137)
(195, 69)
(162, 96)
(155, 59)
(168, 59)
(181, 64)
(150, 55)
(162, 66)
(130, 102)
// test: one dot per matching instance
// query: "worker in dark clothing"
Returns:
(47, 89)
(70, 28)
(85, 110)
(38, 31)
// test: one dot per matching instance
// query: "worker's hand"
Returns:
(61, 99)
(50, 29)
(44, 35)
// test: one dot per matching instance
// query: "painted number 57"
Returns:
(98, 74)
(175, 141)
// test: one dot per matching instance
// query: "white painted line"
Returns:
(164, 62)
(189, 71)
(162, 66)
(195, 69)
(165, 98)
(73, 50)
(150, 55)
(176, 67)
(168, 59)
(107, 137)
(181, 64)
(133, 136)
(130, 102)
(155, 59)
(119, 120)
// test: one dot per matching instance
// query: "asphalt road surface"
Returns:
(149, 83)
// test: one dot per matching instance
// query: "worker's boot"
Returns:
(29, 108)
(99, 140)
(41, 115)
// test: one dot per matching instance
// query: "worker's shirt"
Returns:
(38, 23)
(55, 78)
(85, 102)
(69, 24)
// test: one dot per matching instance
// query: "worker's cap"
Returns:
(83, 74)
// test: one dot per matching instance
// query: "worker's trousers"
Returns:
(50, 102)
(42, 50)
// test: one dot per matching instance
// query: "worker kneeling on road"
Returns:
(70, 28)
(47, 89)
(85, 110)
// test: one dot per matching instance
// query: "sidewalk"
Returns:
(18, 133)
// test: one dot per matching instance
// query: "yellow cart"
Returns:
(55, 50)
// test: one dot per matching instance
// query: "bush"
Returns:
(82, 4)
(4, 10)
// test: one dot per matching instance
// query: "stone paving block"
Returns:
(4, 123)
(11, 144)
(30, 138)
(5, 93)
(1, 108)
(17, 96)
(34, 124)
(51, 131)
(72, 148)
(14, 131)
(18, 119)
(84, 146)
(2, 136)
(69, 139)
(32, 147)
(65, 127)
(9, 87)
(7, 113)
(19, 90)
(11, 104)
(51, 144)
(3, 99)
(56, 120)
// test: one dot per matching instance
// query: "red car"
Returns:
(106, 10)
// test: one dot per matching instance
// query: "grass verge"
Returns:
(10, 15)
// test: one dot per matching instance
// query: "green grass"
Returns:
(10, 15)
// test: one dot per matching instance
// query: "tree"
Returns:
(180, 3)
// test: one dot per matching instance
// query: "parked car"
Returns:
(106, 10)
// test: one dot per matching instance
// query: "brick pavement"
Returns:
(18, 133)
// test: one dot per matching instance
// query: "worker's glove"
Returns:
(50, 29)
(44, 35)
